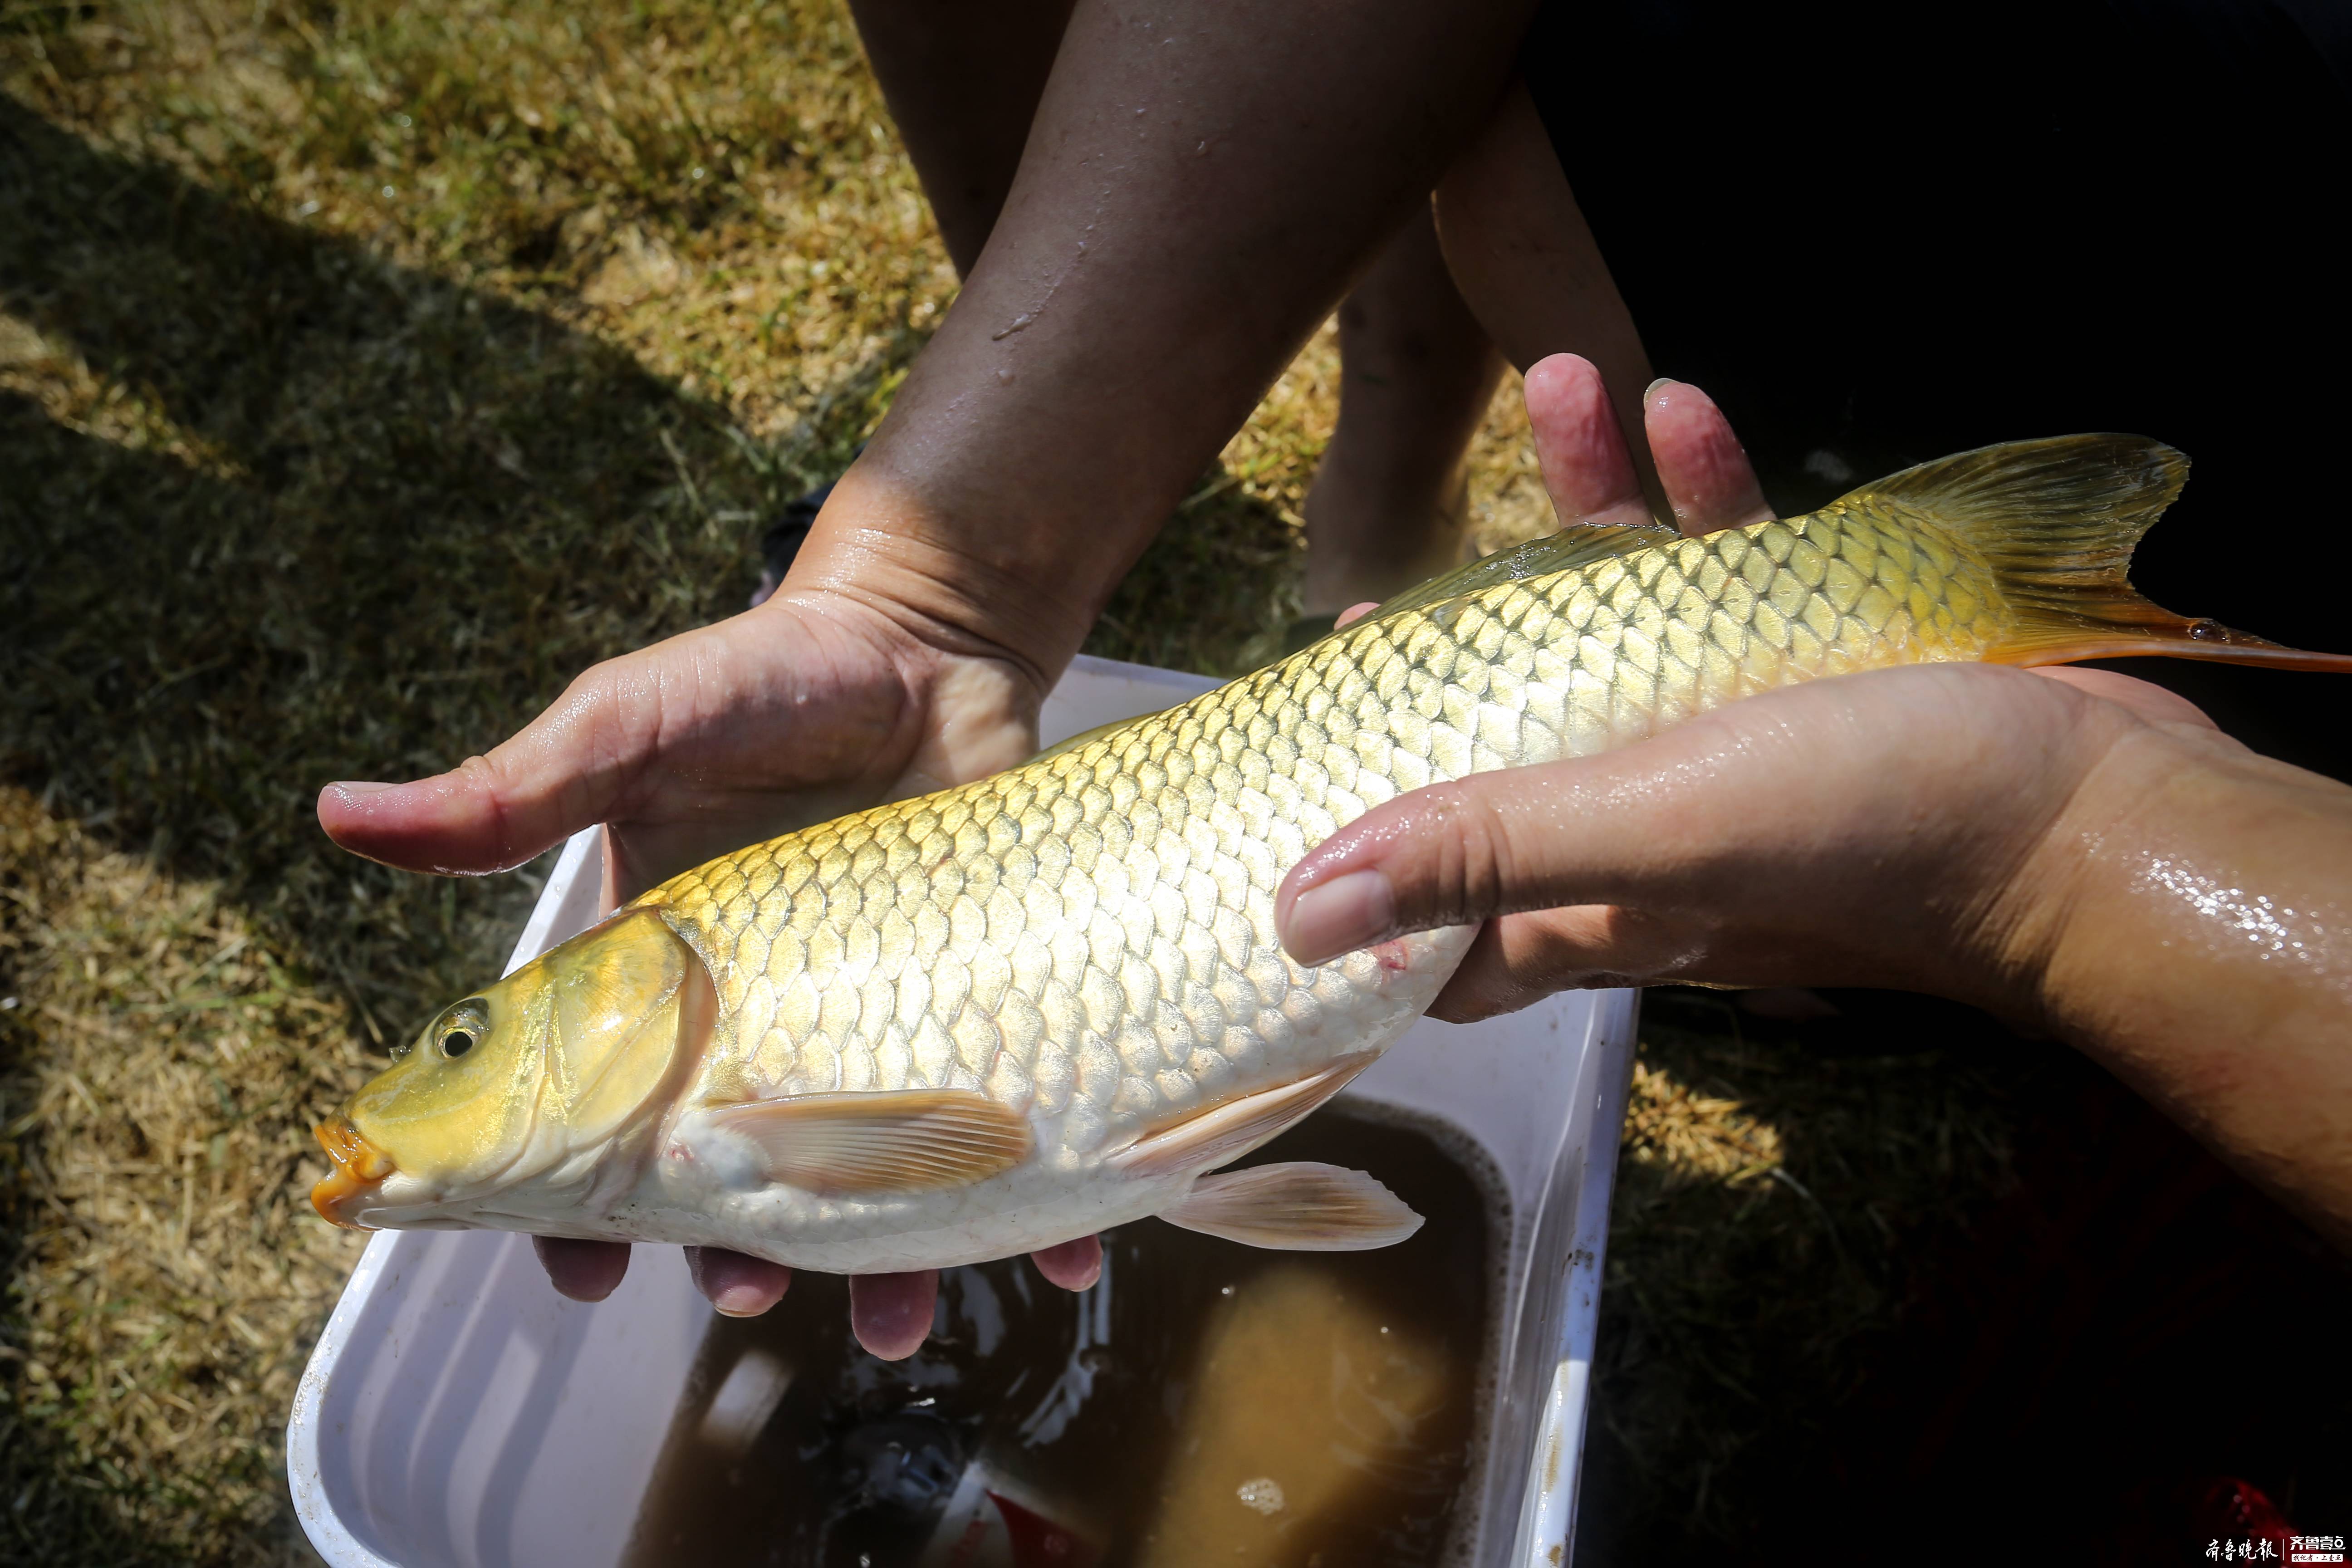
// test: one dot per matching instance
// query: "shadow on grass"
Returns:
(305, 515)
(365, 521)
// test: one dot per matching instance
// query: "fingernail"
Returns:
(360, 788)
(741, 1301)
(1651, 391)
(1340, 916)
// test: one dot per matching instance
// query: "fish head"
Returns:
(526, 1088)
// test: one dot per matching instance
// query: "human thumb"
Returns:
(490, 812)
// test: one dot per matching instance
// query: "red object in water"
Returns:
(985, 1528)
(1039, 1543)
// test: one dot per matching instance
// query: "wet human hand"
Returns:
(1888, 830)
(820, 702)
(2075, 850)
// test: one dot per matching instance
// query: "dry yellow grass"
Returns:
(1694, 1137)
(169, 1280)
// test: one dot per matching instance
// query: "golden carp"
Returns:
(1017, 1012)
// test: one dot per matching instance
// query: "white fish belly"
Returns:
(706, 1187)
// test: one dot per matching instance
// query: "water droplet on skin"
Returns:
(1020, 322)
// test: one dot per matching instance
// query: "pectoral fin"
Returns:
(912, 1140)
(1297, 1207)
(1202, 1140)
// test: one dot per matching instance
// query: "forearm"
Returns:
(1195, 197)
(2205, 954)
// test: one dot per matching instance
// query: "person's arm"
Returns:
(2075, 849)
(2083, 854)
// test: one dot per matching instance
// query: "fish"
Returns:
(1023, 1010)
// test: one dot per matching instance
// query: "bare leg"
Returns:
(1525, 261)
(1416, 371)
(962, 81)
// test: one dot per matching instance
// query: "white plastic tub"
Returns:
(459, 1411)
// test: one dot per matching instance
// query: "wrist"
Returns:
(2173, 830)
(2060, 913)
(958, 589)
(2202, 960)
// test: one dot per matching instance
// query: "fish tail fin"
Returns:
(2058, 521)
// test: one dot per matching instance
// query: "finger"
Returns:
(738, 1284)
(584, 1270)
(1838, 785)
(1450, 855)
(2145, 698)
(1457, 854)
(1587, 468)
(1708, 479)
(1074, 1265)
(1519, 960)
(561, 773)
(1355, 612)
(891, 1313)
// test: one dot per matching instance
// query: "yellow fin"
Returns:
(2057, 519)
(1088, 737)
(1297, 1207)
(911, 1140)
(1204, 1138)
(1578, 544)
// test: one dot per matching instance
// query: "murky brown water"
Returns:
(1206, 1403)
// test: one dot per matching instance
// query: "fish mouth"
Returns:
(360, 1169)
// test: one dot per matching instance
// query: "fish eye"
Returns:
(461, 1028)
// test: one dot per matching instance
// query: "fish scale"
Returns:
(1009, 1013)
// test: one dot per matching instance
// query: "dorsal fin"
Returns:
(1578, 544)
(2057, 521)
(1088, 737)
